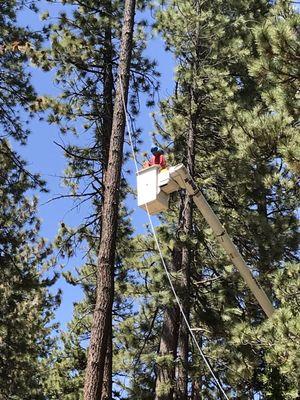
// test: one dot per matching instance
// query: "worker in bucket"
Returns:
(157, 158)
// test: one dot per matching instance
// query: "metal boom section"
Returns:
(181, 176)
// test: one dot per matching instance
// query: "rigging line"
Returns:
(215, 378)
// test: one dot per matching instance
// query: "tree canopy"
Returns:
(232, 117)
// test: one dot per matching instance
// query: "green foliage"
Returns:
(25, 302)
(277, 73)
(277, 339)
(26, 306)
(246, 159)
(236, 89)
(65, 377)
(16, 90)
(84, 51)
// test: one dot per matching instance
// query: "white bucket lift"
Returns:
(154, 187)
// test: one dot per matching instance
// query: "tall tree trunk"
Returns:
(105, 274)
(165, 375)
(105, 138)
(183, 341)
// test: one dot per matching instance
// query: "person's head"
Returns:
(155, 150)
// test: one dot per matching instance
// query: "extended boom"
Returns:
(181, 176)
(154, 188)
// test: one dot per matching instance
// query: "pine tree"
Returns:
(16, 90)
(277, 74)
(101, 327)
(237, 154)
(26, 306)
(25, 303)
(84, 49)
(245, 159)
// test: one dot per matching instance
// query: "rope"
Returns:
(217, 381)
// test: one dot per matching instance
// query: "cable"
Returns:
(217, 381)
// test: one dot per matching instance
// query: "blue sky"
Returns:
(45, 157)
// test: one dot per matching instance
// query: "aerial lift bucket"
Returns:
(150, 196)
(153, 189)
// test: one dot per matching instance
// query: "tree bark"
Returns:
(107, 376)
(105, 138)
(183, 340)
(165, 375)
(105, 274)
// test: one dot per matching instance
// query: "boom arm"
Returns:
(181, 176)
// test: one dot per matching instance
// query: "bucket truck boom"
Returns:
(154, 187)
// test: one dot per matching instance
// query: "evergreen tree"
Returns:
(84, 49)
(277, 74)
(240, 166)
(102, 322)
(25, 303)
(16, 89)
(26, 306)
(231, 92)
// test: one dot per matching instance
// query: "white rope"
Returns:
(217, 381)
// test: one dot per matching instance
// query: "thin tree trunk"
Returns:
(183, 341)
(165, 375)
(107, 376)
(105, 274)
(105, 137)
